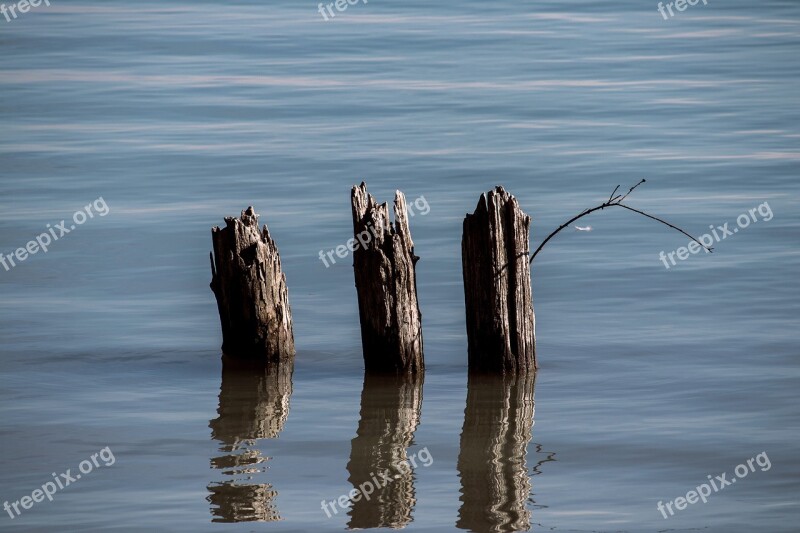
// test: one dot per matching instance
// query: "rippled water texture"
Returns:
(177, 114)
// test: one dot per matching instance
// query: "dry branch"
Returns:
(615, 201)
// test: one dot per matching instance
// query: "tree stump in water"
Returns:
(251, 292)
(384, 264)
(497, 286)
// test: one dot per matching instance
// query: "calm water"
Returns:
(178, 114)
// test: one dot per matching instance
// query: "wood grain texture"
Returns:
(386, 283)
(251, 292)
(497, 286)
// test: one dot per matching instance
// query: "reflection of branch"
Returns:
(551, 456)
(614, 201)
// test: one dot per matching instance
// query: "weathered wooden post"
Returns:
(251, 292)
(384, 264)
(497, 286)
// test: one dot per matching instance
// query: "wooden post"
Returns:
(497, 286)
(251, 292)
(384, 262)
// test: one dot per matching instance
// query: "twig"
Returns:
(614, 201)
(631, 190)
(667, 223)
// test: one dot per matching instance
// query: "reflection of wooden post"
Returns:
(386, 282)
(253, 404)
(233, 502)
(497, 286)
(495, 484)
(251, 292)
(390, 411)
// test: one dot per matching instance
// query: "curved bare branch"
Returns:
(614, 201)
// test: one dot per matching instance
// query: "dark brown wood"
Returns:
(251, 292)
(386, 282)
(497, 286)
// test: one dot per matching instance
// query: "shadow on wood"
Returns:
(386, 282)
(497, 286)
(251, 292)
